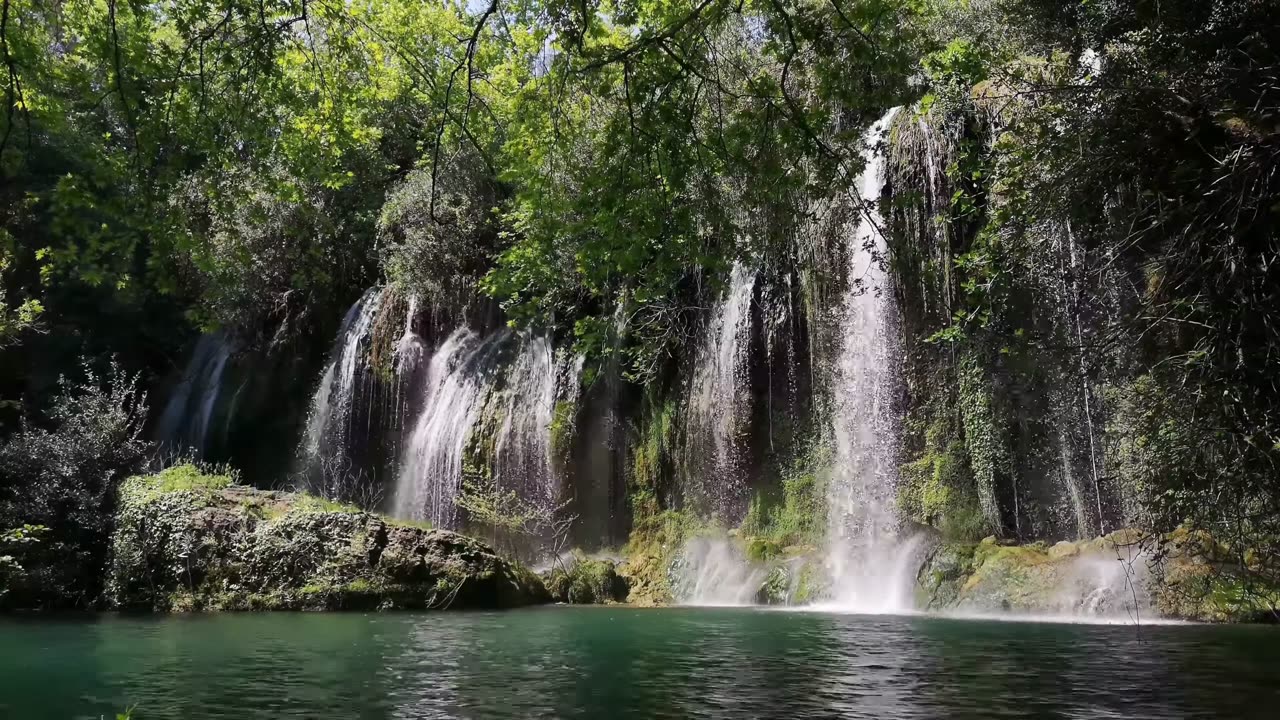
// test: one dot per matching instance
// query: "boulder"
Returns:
(205, 544)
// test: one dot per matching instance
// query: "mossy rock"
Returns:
(762, 549)
(1184, 575)
(587, 582)
(776, 588)
(557, 582)
(654, 544)
(205, 544)
(1200, 580)
(943, 574)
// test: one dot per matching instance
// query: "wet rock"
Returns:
(776, 589)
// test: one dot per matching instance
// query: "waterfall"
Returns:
(1073, 397)
(1085, 390)
(718, 400)
(522, 457)
(332, 407)
(866, 557)
(713, 571)
(458, 378)
(407, 362)
(188, 416)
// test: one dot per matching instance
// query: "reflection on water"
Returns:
(627, 663)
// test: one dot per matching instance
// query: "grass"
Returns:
(188, 477)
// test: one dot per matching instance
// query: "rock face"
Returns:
(186, 541)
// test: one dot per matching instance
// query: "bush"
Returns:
(440, 231)
(64, 478)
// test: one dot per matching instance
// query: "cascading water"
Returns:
(717, 404)
(185, 423)
(522, 461)
(329, 423)
(457, 383)
(474, 383)
(713, 571)
(870, 565)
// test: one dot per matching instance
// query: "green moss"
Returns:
(186, 542)
(776, 587)
(311, 503)
(651, 455)
(593, 582)
(808, 584)
(762, 550)
(563, 429)
(654, 542)
(937, 488)
(943, 574)
(793, 514)
(408, 523)
(558, 581)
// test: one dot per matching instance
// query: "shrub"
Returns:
(64, 477)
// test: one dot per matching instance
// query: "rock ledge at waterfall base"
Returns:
(1184, 575)
(189, 542)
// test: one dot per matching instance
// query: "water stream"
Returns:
(333, 406)
(871, 568)
(493, 396)
(185, 425)
(718, 402)
(458, 377)
(714, 572)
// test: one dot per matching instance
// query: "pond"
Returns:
(621, 662)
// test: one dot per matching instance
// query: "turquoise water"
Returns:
(627, 663)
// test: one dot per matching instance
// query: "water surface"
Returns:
(628, 663)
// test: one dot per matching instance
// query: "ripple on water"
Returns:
(620, 662)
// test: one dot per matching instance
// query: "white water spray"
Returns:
(717, 397)
(335, 396)
(871, 567)
(188, 416)
(522, 458)
(714, 572)
(431, 470)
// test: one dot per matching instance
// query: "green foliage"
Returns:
(181, 477)
(64, 478)
(639, 157)
(652, 456)
(511, 522)
(596, 169)
(589, 582)
(14, 544)
(953, 70)
(1087, 177)
(14, 320)
(652, 546)
(493, 507)
(985, 441)
(793, 515)
(937, 488)
(440, 230)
